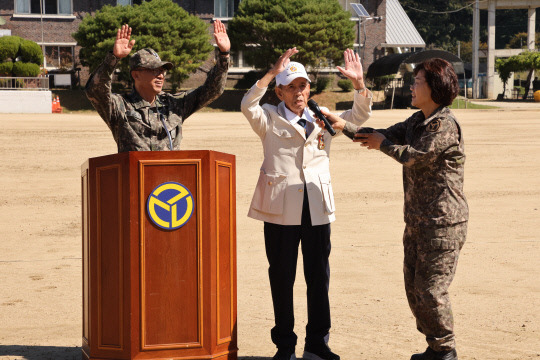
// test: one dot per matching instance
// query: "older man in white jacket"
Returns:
(294, 196)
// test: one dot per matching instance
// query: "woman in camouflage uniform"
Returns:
(429, 145)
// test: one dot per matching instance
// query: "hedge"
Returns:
(9, 47)
(6, 68)
(25, 69)
(345, 85)
(31, 52)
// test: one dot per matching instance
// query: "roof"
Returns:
(388, 65)
(400, 30)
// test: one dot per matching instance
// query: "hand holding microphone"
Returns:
(315, 108)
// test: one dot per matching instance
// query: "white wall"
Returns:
(21, 101)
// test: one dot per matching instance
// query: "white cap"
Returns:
(294, 70)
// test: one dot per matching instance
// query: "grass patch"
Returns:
(463, 104)
(73, 100)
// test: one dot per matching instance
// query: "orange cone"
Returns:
(54, 105)
(58, 106)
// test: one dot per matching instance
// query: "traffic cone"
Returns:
(58, 106)
(54, 105)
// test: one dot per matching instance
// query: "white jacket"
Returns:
(290, 160)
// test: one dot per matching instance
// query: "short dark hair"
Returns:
(441, 79)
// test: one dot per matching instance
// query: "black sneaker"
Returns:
(318, 352)
(283, 354)
(431, 354)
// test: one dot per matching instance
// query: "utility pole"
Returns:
(475, 45)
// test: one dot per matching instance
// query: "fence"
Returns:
(24, 83)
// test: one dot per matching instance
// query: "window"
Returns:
(59, 57)
(129, 2)
(46, 7)
(224, 8)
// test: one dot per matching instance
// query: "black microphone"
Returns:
(315, 108)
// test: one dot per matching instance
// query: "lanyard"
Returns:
(162, 118)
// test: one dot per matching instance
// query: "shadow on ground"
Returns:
(30, 352)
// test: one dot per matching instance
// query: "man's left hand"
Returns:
(221, 37)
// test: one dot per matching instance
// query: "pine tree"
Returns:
(162, 25)
(320, 29)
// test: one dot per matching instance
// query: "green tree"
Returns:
(526, 61)
(320, 29)
(9, 47)
(162, 25)
(31, 52)
(439, 23)
(466, 50)
(19, 57)
(519, 41)
(504, 69)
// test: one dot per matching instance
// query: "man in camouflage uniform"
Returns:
(430, 147)
(147, 118)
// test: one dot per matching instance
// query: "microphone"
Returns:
(315, 108)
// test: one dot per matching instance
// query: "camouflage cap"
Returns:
(148, 59)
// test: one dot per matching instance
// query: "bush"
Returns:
(520, 90)
(25, 69)
(9, 47)
(322, 83)
(249, 79)
(31, 52)
(6, 68)
(345, 85)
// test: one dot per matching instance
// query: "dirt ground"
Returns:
(496, 292)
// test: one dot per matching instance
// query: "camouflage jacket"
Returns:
(432, 154)
(136, 124)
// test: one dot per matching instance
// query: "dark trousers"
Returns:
(282, 252)
(431, 257)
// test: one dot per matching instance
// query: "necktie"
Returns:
(303, 123)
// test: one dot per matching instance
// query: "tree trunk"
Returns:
(529, 83)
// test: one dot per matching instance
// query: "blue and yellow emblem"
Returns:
(170, 205)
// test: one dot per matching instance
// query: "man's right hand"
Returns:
(122, 45)
(336, 122)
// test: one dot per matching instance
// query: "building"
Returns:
(50, 23)
(494, 85)
(388, 30)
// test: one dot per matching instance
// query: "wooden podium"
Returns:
(159, 256)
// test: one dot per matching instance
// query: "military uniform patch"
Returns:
(433, 125)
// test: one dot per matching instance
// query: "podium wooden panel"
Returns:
(150, 292)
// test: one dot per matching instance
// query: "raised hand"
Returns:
(353, 69)
(122, 45)
(221, 37)
(278, 67)
(283, 61)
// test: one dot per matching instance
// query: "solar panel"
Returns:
(360, 10)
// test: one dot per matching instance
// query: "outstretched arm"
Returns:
(353, 69)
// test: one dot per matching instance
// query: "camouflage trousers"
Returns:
(431, 256)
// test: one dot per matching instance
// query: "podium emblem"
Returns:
(170, 205)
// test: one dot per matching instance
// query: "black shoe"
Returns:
(283, 354)
(431, 354)
(318, 352)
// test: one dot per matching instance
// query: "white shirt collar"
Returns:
(293, 118)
